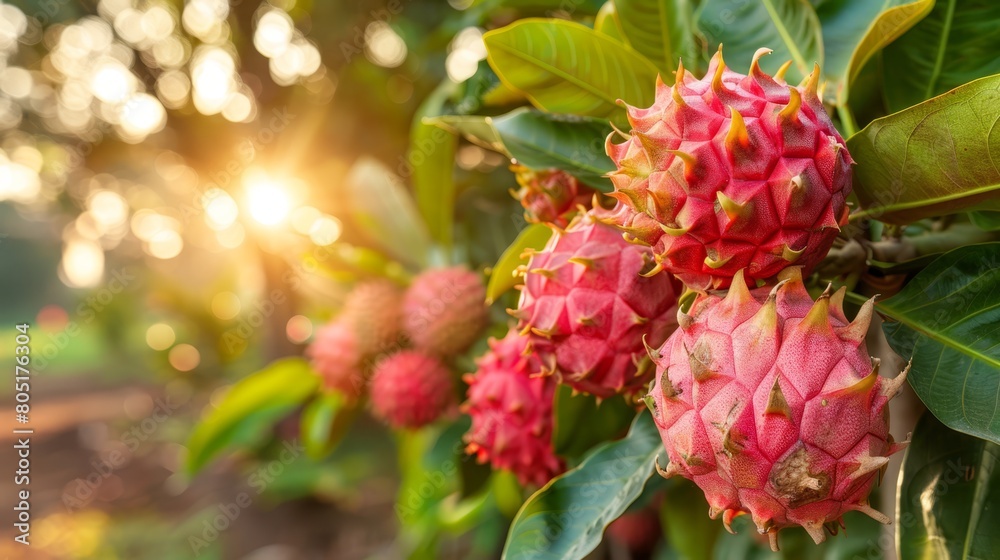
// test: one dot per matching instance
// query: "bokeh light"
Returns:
(268, 201)
(226, 305)
(298, 329)
(383, 45)
(184, 357)
(82, 264)
(160, 336)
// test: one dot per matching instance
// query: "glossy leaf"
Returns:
(324, 422)
(855, 30)
(948, 504)
(956, 44)
(932, 159)
(989, 221)
(581, 423)
(948, 320)
(789, 27)
(504, 274)
(566, 519)
(659, 29)
(432, 161)
(384, 210)
(250, 408)
(566, 67)
(542, 140)
(606, 21)
(573, 144)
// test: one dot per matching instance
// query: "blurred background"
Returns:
(186, 188)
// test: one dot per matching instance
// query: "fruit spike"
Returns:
(769, 401)
(549, 196)
(707, 144)
(587, 306)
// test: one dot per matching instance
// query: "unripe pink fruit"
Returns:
(410, 390)
(444, 310)
(511, 408)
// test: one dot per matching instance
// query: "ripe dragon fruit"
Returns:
(444, 310)
(335, 356)
(740, 173)
(587, 308)
(410, 390)
(770, 403)
(374, 310)
(550, 195)
(511, 410)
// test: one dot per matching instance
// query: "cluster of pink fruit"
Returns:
(394, 345)
(733, 186)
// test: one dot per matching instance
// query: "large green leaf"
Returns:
(581, 422)
(566, 67)
(935, 158)
(662, 30)
(988, 221)
(606, 21)
(384, 210)
(542, 140)
(567, 517)
(432, 161)
(855, 30)
(250, 408)
(504, 275)
(573, 144)
(324, 423)
(948, 320)
(957, 43)
(948, 504)
(789, 27)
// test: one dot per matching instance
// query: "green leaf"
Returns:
(432, 163)
(606, 22)
(686, 523)
(789, 27)
(324, 423)
(948, 504)
(932, 159)
(988, 221)
(573, 144)
(955, 44)
(385, 212)
(855, 30)
(475, 129)
(948, 320)
(566, 519)
(504, 274)
(659, 29)
(542, 140)
(565, 67)
(250, 408)
(581, 423)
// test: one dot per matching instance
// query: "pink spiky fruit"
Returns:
(510, 404)
(740, 172)
(410, 390)
(444, 310)
(771, 404)
(374, 309)
(335, 357)
(587, 307)
(550, 195)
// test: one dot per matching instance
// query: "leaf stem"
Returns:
(847, 120)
